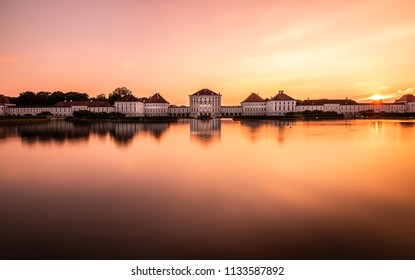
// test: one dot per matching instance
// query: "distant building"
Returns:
(130, 106)
(409, 101)
(156, 105)
(97, 106)
(254, 105)
(350, 107)
(179, 111)
(205, 103)
(379, 106)
(62, 109)
(326, 105)
(230, 111)
(4, 104)
(280, 104)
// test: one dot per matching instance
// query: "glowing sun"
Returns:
(377, 97)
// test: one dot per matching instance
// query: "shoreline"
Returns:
(12, 120)
(125, 120)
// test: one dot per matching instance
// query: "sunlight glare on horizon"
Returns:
(377, 97)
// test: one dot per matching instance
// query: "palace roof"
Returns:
(142, 99)
(4, 100)
(321, 102)
(97, 103)
(253, 97)
(406, 98)
(127, 98)
(205, 91)
(156, 98)
(281, 96)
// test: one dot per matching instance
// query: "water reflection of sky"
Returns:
(313, 190)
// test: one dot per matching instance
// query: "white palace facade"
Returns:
(206, 103)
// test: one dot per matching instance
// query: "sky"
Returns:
(310, 49)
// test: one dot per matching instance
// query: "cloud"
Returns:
(387, 97)
(397, 94)
(406, 91)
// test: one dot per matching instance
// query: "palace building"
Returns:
(254, 105)
(206, 103)
(130, 105)
(5, 104)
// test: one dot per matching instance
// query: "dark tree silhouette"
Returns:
(118, 93)
(101, 97)
(76, 96)
(55, 97)
(26, 98)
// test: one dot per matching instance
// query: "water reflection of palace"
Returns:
(201, 131)
(253, 129)
(122, 133)
(205, 130)
(61, 131)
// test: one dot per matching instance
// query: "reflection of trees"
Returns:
(253, 129)
(156, 129)
(61, 131)
(7, 131)
(252, 126)
(100, 128)
(205, 130)
(123, 133)
(52, 131)
(407, 124)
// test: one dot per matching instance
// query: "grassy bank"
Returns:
(384, 115)
(86, 116)
(126, 119)
(306, 115)
(6, 120)
(261, 118)
(318, 115)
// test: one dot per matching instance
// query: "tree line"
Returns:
(45, 98)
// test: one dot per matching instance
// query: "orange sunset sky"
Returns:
(311, 49)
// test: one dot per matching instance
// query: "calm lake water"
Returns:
(208, 190)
